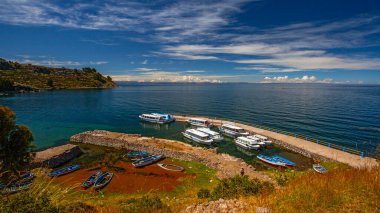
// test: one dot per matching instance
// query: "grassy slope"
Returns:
(342, 189)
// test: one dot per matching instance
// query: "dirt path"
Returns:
(313, 148)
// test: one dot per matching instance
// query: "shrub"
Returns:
(25, 202)
(240, 186)
(77, 207)
(145, 204)
(282, 178)
(204, 193)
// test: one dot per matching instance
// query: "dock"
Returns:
(304, 147)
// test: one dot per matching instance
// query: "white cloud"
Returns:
(143, 69)
(303, 79)
(52, 62)
(163, 76)
(145, 62)
(194, 71)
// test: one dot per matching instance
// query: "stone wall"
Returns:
(56, 156)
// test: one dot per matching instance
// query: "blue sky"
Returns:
(199, 41)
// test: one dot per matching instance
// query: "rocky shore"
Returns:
(225, 165)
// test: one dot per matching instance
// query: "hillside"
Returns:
(15, 76)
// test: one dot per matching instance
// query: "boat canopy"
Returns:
(198, 120)
(233, 128)
(197, 133)
(208, 131)
(260, 137)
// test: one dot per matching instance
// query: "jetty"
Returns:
(299, 145)
(226, 166)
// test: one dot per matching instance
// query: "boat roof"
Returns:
(207, 130)
(196, 132)
(244, 139)
(161, 114)
(260, 137)
(198, 119)
(152, 115)
(231, 126)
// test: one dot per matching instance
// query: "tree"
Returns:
(15, 143)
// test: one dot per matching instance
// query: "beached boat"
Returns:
(199, 122)
(91, 180)
(171, 167)
(103, 180)
(137, 154)
(197, 136)
(270, 160)
(157, 118)
(320, 169)
(246, 143)
(234, 131)
(262, 139)
(215, 136)
(284, 160)
(17, 187)
(65, 170)
(147, 160)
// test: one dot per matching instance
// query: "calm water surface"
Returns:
(347, 115)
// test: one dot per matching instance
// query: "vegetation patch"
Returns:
(145, 204)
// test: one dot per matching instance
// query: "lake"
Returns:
(348, 115)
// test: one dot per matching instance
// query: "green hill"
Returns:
(15, 76)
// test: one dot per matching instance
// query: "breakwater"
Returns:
(225, 165)
(299, 145)
(56, 156)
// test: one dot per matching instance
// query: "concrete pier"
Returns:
(304, 147)
(56, 156)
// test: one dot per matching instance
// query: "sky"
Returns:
(267, 41)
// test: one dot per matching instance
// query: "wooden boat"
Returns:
(91, 180)
(63, 171)
(320, 169)
(147, 160)
(171, 167)
(17, 187)
(103, 180)
(137, 154)
(270, 160)
(284, 160)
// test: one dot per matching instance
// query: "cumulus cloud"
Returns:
(303, 79)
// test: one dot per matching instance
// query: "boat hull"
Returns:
(278, 164)
(99, 184)
(147, 161)
(64, 171)
(197, 140)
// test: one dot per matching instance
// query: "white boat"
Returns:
(197, 136)
(257, 141)
(199, 122)
(263, 139)
(232, 130)
(246, 143)
(216, 137)
(157, 118)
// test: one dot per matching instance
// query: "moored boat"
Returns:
(199, 122)
(103, 180)
(91, 180)
(17, 187)
(232, 130)
(137, 154)
(246, 143)
(197, 136)
(171, 167)
(215, 136)
(270, 160)
(63, 171)
(320, 169)
(284, 160)
(157, 118)
(147, 160)
(262, 139)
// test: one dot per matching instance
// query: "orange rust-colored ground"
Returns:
(133, 180)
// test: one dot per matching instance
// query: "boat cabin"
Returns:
(197, 134)
(234, 129)
(199, 122)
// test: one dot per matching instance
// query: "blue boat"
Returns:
(137, 154)
(284, 160)
(17, 187)
(320, 169)
(271, 161)
(103, 180)
(63, 171)
(147, 160)
(91, 180)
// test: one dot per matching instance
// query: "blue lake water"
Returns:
(347, 115)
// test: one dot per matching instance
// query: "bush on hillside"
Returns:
(203, 193)
(25, 202)
(145, 204)
(240, 186)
